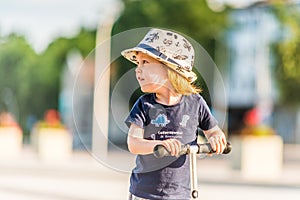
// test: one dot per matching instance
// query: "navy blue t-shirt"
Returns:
(168, 177)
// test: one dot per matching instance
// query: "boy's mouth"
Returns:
(140, 79)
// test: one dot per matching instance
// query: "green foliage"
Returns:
(17, 59)
(34, 79)
(287, 51)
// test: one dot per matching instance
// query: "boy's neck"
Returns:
(168, 98)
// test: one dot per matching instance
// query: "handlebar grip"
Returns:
(160, 151)
(206, 148)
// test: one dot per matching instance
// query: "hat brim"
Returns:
(130, 54)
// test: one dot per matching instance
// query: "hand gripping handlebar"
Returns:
(160, 151)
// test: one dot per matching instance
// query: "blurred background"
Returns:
(49, 73)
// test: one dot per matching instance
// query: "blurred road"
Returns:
(82, 178)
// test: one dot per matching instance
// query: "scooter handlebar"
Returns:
(160, 151)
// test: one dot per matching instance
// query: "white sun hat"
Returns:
(168, 47)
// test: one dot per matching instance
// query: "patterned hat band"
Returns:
(168, 47)
(157, 53)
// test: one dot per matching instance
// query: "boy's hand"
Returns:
(218, 142)
(173, 146)
(217, 139)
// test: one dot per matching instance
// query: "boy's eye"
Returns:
(143, 62)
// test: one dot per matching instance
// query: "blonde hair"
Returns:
(182, 85)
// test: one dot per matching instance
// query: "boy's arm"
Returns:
(216, 138)
(138, 145)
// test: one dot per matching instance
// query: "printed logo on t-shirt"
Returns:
(161, 120)
(184, 120)
(163, 135)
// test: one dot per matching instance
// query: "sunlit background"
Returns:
(61, 89)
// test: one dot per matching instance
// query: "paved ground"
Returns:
(83, 178)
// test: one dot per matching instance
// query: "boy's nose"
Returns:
(138, 69)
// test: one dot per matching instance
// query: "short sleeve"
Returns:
(137, 114)
(206, 119)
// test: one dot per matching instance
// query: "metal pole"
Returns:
(193, 170)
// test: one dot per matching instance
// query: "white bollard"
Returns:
(11, 142)
(258, 157)
(52, 144)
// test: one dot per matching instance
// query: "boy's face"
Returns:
(150, 73)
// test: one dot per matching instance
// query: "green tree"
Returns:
(34, 79)
(54, 58)
(287, 51)
(17, 59)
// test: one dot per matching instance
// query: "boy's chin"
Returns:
(150, 88)
(145, 90)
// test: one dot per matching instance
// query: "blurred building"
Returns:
(248, 76)
(249, 79)
(76, 99)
